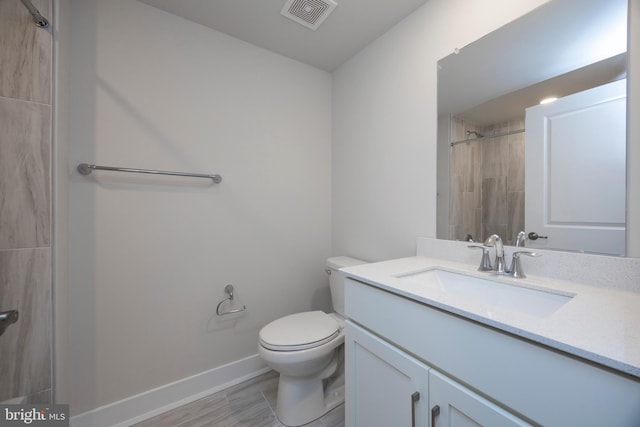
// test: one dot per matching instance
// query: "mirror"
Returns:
(563, 48)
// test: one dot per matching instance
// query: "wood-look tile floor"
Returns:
(248, 404)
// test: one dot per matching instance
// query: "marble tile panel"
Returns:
(451, 229)
(459, 158)
(24, 174)
(515, 214)
(476, 170)
(471, 169)
(456, 211)
(457, 232)
(25, 53)
(494, 201)
(516, 164)
(477, 226)
(471, 202)
(25, 347)
(489, 229)
(495, 157)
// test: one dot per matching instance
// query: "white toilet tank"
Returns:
(336, 280)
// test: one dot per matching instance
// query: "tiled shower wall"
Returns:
(25, 202)
(487, 181)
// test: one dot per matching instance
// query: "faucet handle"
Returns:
(516, 269)
(485, 263)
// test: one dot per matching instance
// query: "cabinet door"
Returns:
(453, 405)
(382, 382)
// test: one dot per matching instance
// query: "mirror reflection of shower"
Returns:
(486, 179)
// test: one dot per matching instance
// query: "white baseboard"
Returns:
(170, 396)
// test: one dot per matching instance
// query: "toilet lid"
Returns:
(299, 331)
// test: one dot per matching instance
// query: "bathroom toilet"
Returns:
(306, 349)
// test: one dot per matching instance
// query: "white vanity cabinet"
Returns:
(387, 387)
(475, 374)
(454, 405)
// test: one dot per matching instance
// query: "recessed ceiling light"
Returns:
(548, 100)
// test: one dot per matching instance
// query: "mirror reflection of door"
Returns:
(576, 168)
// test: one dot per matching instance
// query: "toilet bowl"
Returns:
(305, 349)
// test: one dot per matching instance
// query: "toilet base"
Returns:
(303, 400)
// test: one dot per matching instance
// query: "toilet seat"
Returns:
(300, 331)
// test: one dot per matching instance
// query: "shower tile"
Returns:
(25, 349)
(470, 169)
(515, 213)
(459, 158)
(477, 226)
(452, 232)
(456, 213)
(516, 164)
(470, 204)
(494, 201)
(24, 174)
(469, 214)
(25, 53)
(489, 229)
(495, 157)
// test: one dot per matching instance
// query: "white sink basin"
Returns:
(536, 302)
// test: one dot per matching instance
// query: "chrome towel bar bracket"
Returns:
(38, 19)
(229, 291)
(8, 318)
(86, 169)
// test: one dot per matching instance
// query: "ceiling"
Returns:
(347, 30)
(505, 68)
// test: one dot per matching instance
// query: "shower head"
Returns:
(473, 132)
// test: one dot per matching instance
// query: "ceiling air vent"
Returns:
(310, 13)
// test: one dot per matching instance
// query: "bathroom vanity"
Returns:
(434, 343)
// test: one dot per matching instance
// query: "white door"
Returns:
(385, 387)
(575, 177)
(453, 405)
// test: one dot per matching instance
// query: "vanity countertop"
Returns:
(601, 325)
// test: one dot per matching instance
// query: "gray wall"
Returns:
(149, 257)
(385, 126)
(25, 202)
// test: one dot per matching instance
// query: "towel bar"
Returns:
(86, 169)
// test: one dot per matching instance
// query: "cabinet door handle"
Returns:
(414, 398)
(435, 411)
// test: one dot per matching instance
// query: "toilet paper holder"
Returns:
(229, 291)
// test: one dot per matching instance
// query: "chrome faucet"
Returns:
(516, 271)
(499, 264)
(485, 262)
